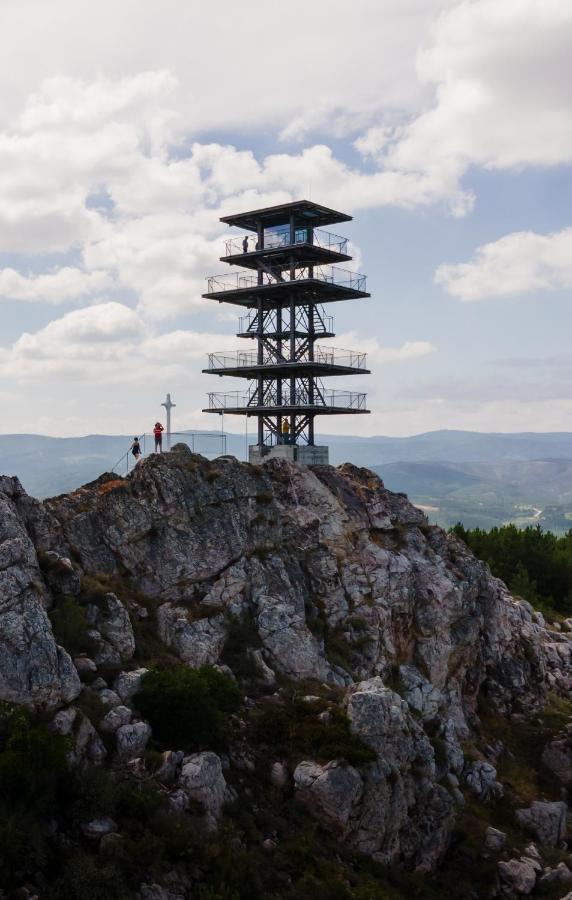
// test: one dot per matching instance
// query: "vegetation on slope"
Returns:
(536, 565)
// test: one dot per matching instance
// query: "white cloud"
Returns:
(377, 354)
(501, 74)
(61, 286)
(224, 54)
(115, 161)
(110, 343)
(518, 263)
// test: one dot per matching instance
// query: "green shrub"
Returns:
(86, 878)
(293, 727)
(33, 761)
(536, 564)
(33, 773)
(186, 707)
(241, 636)
(70, 626)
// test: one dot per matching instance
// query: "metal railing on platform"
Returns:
(193, 439)
(330, 274)
(322, 400)
(273, 239)
(331, 356)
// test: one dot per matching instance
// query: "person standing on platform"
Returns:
(136, 449)
(158, 433)
(245, 245)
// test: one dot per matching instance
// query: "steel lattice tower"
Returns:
(292, 276)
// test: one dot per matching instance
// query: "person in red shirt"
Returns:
(158, 432)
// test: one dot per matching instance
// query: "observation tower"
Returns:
(292, 274)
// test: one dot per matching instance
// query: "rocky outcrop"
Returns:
(290, 547)
(405, 814)
(519, 875)
(325, 576)
(202, 780)
(112, 630)
(547, 821)
(331, 793)
(33, 669)
(87, 745)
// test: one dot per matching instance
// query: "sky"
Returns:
(128, 127)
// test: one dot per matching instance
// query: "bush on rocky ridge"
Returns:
(186, 707)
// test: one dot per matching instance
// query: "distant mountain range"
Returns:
(480, 479)
(486, 494)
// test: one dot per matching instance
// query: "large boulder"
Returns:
(197, 642)
(546, 820)
(481, 779)
(128, 684)
(557, 756)
(519, 875)
(86, 744)
(112, 627)
(404, 814)
(331, 793)
(132, 740)
(202, 780)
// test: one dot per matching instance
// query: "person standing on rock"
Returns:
(136, 449)
(158, 433)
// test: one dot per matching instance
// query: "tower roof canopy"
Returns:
(304, 211)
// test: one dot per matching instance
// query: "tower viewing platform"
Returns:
(293, 269)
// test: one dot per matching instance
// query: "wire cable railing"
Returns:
(192, 438)
(329, 274)
(331, 356)
(325, 399)
(276, 239)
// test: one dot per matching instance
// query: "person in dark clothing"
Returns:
(136, 449)
(158, 433)
(245, 245)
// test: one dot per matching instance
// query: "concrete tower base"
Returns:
(304, 454)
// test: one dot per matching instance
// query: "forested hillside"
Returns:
(536, 565)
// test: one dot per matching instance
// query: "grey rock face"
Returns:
(111, 621)
(115, 718)
(495, 840)
(156, 892)
(481, 778)
(132, 740)
(518, 875)
(279, 775)
(557, 756)
(196, 642)
(84, 666)
(404, 814)
(95, 829)
(561, 875)
(202, 780)
(295, 553)
(169, 768)
(33, 669)
(547, 821)
(127, 684)
(420, 694)
(59, 574)
(323, 545)
(331, 793)
(87, 745)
